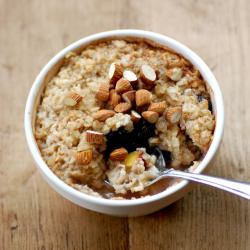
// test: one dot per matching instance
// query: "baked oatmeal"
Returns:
(110, 109)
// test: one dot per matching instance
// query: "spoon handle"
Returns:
(236, 187)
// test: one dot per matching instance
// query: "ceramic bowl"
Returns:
(135, 207)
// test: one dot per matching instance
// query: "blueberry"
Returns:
(115, 140)
(138, 138)
(144, 130)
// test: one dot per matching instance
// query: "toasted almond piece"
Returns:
(114, 98)
(122, 107)
(103, 114)
(115, 72)
(103, 92)
(72, 98)
(174, 74)
(122, 86)
(147, 74)
(94, 137)
(173, 114)
(158, 107)
(118, 154)
(84, 157)
(142, 97)
(150, 116)
(129, 96)
(130, 76)
(135, 117)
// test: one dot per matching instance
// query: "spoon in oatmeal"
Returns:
(236, 187)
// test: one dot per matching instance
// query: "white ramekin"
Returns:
(140, 206)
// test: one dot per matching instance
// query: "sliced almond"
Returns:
(103, 114)
(129, 96)
(115, 72)
(118, 154)
(84, 157)
(142, 97)
(158, 107)
(135, 117)
(122, 107)
(72, 98)
(174, 74)
(103, 92)
(150, 116)
(147, 74)
(130, 76)
(173, 114)
(114, 98)
(122, 86)
(94, 137)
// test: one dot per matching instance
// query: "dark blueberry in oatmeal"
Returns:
(137, 138)
(116, 139)
(144, 130)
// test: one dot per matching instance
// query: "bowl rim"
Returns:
(155, 37)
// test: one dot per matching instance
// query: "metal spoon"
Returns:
(236, 187)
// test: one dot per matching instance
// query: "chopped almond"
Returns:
(103, 114)
(135, 117)
(158, 107)
(118, 154)
(122, 86)
(103, 92)
(114, 98)
(130, 76)
(150, 116)
(94, 137)
(129, 96)
(84, 157)
(115, 72)
(148, 74)
(122, 107)
(142, 97)
(72, 98)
